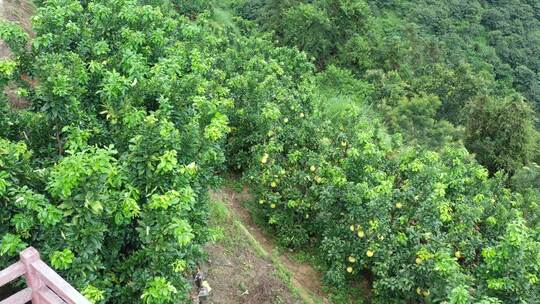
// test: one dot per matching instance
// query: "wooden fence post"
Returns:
(28, 257)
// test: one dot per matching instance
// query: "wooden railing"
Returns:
(44, 285)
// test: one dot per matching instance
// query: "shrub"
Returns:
(130, 124)
(420, 222)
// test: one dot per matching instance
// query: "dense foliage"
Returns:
(426, 225)
(107, 171)
(425, 57)
(394, 139)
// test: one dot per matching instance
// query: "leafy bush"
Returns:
(501, 133)
(420, 222)
(127, 123)
(136, 105)
(432, 58)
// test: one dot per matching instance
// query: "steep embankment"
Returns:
(20, 12)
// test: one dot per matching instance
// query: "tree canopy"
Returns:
(395, 140)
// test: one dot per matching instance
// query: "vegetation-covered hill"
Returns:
(394, 139)
(442, 71)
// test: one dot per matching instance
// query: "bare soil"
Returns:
(239, 275)
(20, 12)
(237, 269)
(304, 278)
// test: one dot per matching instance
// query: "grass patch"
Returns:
(223, 227)
(233, 182)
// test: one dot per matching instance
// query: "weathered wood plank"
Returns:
(11, 273)
(45, 286)
(20, 297)
(62, 288)
(47, 296)
(28, 257)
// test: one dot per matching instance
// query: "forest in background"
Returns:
(396, 141)
(439, 72)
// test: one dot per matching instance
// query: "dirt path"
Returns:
(238, 269)
(304, 278)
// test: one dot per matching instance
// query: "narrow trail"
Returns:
(305, 279)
